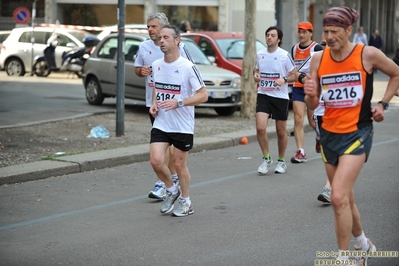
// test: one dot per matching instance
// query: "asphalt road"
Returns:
(104, 217)
(28, 100)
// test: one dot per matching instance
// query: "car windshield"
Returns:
(234, 48)
(198, 56)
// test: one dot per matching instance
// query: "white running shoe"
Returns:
(169, 203)
(325, 195)
(183, 209)
(264, 167)
(159, 191)
(280, 168)
(362, 261)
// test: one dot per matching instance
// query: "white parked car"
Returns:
(100, 75)
(16, 51)
(4, 35)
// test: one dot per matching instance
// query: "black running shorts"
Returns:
(182, 141)
(277, 108)
(334, 145)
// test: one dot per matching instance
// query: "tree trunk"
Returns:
(248, 86)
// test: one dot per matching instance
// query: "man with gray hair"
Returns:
(148, 52)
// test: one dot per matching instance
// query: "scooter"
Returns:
(72, 61)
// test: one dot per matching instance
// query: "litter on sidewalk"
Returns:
(98, 132)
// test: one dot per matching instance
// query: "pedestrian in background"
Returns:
(178, 87)
(148, 52)
(360, 36)
(273, 66)
(376, 40)
(343, 75)
(185, 26)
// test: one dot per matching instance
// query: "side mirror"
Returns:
(212, 59)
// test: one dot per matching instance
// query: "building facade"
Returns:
(215, 15)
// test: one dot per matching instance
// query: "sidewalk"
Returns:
(111, 158)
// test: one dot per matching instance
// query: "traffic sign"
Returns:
(21, 15)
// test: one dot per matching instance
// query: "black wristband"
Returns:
(384, 104)
(301, 76)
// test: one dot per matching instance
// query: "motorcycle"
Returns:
(72, 61)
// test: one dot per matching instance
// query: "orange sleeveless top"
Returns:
(347, 90)
(299, 56)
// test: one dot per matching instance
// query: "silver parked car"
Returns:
(100, 75)
(16, 51)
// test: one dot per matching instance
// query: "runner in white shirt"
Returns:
(148, 52)
(178, 88)
(274, 68)
(318, 113)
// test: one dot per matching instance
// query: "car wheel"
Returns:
(226, 111)
(41, 69)
(15, 67)
(94, 95)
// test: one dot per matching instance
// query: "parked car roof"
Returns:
(132, 28)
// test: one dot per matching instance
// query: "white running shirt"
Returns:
(149, 52)
(273, 66)
(177, 80)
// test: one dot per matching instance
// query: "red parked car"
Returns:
(226, 49)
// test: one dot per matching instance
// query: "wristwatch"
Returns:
(285, 79)
(384, 104)
(180, 102)
(301, 76)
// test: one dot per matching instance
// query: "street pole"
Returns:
(33, 35)
(120, 82)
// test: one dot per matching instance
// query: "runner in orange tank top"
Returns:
(300, 53)
(343, 74)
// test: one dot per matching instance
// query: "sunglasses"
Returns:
(323, 43)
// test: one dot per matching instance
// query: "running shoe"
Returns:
(298, 158)
(362, 261)
(325, 195)
(280, 168)
(183, 209)
(169, 203)
(318, 149)
(176, 182)
(159, 191)
(264, 167)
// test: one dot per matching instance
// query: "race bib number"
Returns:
(267, 81)
(342, 90)
(299, 62)
(166, 91)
